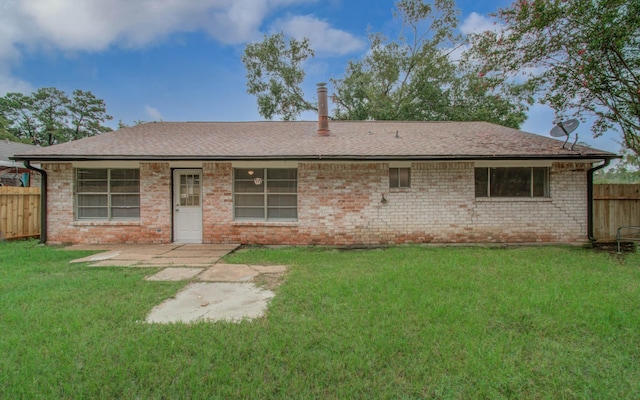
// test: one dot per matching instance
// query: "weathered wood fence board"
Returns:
(614, 205)
(19, 212)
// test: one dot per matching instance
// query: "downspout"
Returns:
(43, 200)
(590, 172)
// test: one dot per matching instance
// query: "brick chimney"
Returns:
(323, 110)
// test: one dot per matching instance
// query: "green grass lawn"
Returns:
(404, 322)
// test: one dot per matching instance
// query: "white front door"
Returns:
(187, 205)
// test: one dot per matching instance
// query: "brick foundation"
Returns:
(341, 204)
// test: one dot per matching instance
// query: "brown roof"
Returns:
(382, 140)
(9, 148)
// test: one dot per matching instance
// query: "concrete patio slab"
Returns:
(212, 302)
(175, 261)
(194, 253)
(97, 257)
(175, 274)
(228, 273)
(114, 263)
(149, 251)
(229, 294)
(133, 257)
(128, 248)
(157, 254)
(210, 246)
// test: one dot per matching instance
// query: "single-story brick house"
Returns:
(350, 183)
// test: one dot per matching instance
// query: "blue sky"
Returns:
(179, 60)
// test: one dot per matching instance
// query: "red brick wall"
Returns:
(155, 213)
(341, 204)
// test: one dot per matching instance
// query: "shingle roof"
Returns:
(298, 140)
(8, 149)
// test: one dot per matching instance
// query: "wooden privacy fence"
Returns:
(614, 205)
(19, 212)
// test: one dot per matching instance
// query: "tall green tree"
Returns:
(48, 116)
(412, 77)
(275, 75)
(87, 114)
(582, 57)
(405, 78)
(4, 133)
(17, 110)
(50, 108)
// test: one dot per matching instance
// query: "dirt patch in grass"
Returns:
(270, 281)
(612, 248)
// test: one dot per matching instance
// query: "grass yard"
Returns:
(403, 322)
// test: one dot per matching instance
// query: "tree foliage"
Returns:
(403, 79)
(275, 75)
(4, 133)
(581, 56)
(626, 170)
(48, 116)
(412, 77)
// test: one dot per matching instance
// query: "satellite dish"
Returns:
(564, 128)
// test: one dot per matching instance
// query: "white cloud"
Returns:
(152, 113)
(94, 25)
(476, 23)
(323, 37)
(9, 83)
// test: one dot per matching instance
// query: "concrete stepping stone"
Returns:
(175, 274)
(97, 257)
(206, 301)
(215, 247)
(132, 257)
(176, 261)
(115, 263)
(228, 273)
(179, 253)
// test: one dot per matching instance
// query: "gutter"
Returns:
(590, 172)
(43, 200)
(324, 157)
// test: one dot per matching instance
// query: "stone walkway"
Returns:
(225, 291)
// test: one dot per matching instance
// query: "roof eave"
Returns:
(467, 157)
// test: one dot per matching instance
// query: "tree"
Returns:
(48, 116)
(87, 115)
(50, 108)
(16, 109)
(4, 133)
(275, 74)
(581, 57)
(405, 79)
(410, 78)
(626, 170)
(122, 124)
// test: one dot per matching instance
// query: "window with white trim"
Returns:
(399, 178)
(512, 182)
(107, 193)
(265, 194)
